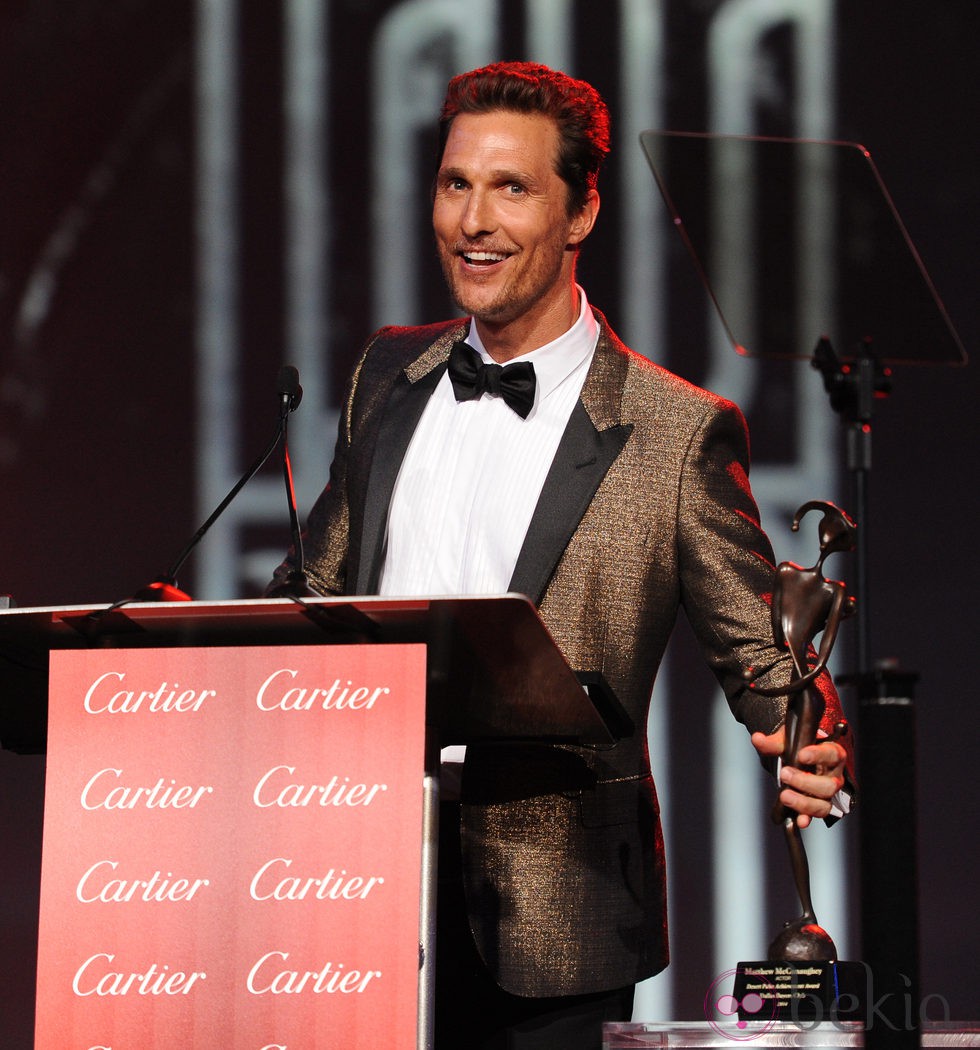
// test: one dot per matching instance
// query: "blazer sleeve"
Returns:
(727, 571)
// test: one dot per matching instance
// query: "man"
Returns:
(611, 492)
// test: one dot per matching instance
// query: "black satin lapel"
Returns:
(401, 417)
(581, 462)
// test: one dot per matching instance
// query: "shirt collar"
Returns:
(555, 361)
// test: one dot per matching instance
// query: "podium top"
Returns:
(493, 670)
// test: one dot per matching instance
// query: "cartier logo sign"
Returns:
(231, 846)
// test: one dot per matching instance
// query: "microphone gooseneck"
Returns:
(164, 588)
(294, 584)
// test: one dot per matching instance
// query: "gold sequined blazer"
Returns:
(646, 508)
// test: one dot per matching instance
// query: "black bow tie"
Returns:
(471, 378)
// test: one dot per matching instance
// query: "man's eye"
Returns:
(515, 189)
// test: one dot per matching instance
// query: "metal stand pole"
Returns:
(886, 758)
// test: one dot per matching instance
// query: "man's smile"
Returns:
(483, 258)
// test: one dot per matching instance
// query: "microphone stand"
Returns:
(164, 588)
(294, 585)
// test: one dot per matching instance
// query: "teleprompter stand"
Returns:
(776, 280)
(492, 673)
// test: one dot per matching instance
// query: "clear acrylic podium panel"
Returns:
(691, 1035)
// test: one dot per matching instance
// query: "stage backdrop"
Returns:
(192, 194)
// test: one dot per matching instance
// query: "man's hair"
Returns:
(527, 87)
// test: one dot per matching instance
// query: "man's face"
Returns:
(501, 222)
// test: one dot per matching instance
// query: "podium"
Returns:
(179, 819)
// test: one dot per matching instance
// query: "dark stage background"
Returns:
(106, 293)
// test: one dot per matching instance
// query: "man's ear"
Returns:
(584, 220)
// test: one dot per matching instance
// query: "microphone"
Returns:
(164, 588)
(290, 392)
(294, 584)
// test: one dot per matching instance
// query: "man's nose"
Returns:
(477, 217)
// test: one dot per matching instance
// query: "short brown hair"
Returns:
(527, 87)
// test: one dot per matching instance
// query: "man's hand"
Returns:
(809, 794)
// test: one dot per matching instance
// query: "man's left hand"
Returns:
(809, 794)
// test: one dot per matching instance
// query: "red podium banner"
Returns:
(232, 848)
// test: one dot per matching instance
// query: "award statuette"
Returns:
(802, 970)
